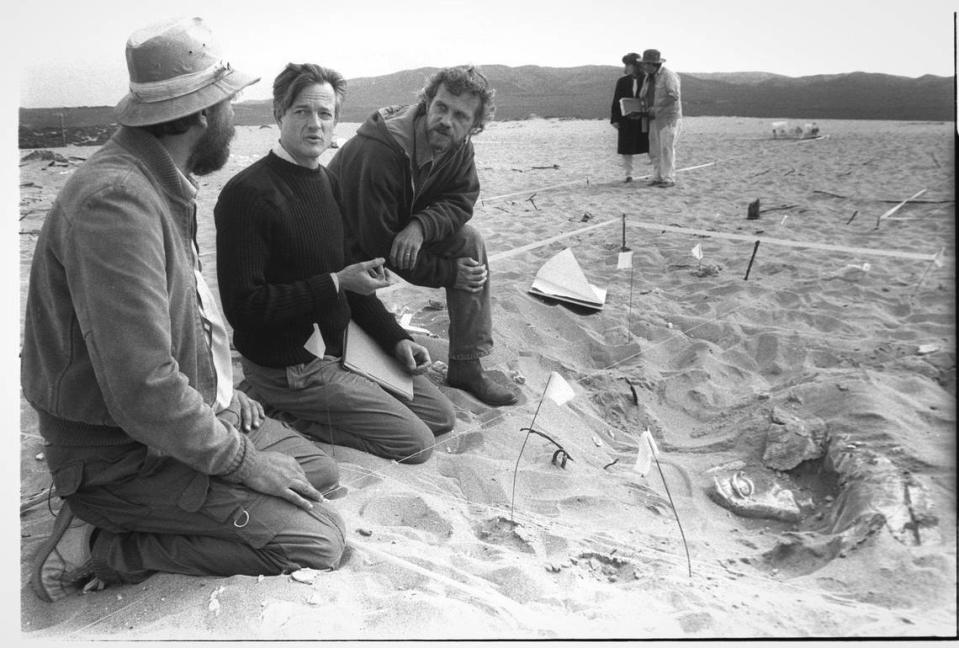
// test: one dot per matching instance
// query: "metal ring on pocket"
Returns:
(245, 522)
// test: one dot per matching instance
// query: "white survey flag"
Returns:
(315, 344)
(625, 261)
(645, 453)
(558, 390)
(697, 251)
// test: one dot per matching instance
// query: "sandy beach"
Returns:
(826, 382)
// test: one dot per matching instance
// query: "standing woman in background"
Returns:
(633, 138)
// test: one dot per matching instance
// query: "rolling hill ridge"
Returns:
(585, 92)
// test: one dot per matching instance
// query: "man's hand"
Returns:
(414, 357)
(281, 476)
(616, 125)
(363, 278)
(470, 274)
(406, 246)
(251, 411)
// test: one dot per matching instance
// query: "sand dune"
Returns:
(827, 379)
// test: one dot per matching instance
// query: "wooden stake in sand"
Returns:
(625, 262)
(936, 261)
(646, 452)
(642, 467)
(751, 259)
(558, 391)
(897, 207)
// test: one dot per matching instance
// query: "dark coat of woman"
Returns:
(631, 140)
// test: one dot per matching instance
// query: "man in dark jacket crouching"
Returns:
(409, 183)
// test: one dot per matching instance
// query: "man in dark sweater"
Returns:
(408, 188)
(289, 295)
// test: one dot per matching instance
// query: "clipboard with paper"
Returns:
(362, 355)
(629, 105)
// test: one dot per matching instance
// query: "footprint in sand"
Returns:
(474, 488)
(501, 531)
(695, 622)
(463, 442)
(606, 567)
(408, 511)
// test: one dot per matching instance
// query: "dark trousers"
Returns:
(471, 318)
(156, 514)
(331, 404)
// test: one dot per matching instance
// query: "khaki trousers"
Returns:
(156, 514)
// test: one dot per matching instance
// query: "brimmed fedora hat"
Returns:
(652, 56)
(176, 69)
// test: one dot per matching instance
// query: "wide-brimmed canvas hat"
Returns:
(176, 69)
(652, 56)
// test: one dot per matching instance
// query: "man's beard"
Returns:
(212, 150)
(443, 140)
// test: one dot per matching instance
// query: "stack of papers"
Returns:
(629, 105)
(562, 278)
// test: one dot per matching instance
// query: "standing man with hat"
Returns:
(161, 464)
(665, 115)
(633, 136)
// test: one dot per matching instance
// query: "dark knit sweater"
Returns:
(279, 236)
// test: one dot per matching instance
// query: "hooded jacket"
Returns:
(382, 191)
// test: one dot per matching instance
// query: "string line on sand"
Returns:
(792, 332)
(527, 192)
(559, 237)
(532, 191)
(898, 254)
(669, 339)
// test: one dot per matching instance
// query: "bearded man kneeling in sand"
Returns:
(161, 464)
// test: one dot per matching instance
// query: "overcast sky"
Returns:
(71, 52)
